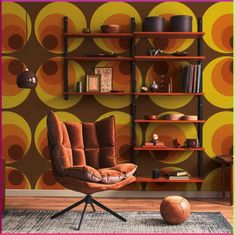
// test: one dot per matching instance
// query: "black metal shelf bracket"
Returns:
(66, 85)
(200, 101)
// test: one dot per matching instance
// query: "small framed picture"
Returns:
(92, 82)
(106, 78)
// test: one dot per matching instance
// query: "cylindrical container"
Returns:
(181, 23)
(154, 24)
(79, 87)
(155, 173)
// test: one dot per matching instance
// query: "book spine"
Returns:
(199, 78)
(187, 79)
(194, 78)
(190, 80)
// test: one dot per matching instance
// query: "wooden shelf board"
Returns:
(160, 58)
(150, 148)
(99, 58)
(182, 35)
(163, 179)
(97, 93)
(169, 121)
(98, 35)
(169, 94)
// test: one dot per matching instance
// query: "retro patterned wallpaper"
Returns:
(24, 111)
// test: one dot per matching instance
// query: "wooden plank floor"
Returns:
(118, 204)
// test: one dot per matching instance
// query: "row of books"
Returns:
(192, 78)
(178, 175)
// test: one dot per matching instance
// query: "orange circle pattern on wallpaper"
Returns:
(121, 81)
(12, 95)
(14, 27)
(48, 181)
(123, 134)
(40, 136)
(49, 26)
(218, 134)
(50, 88)
(171, 187)
(169, 70)
(218, 25)
(168, 9)
(16, 137)
(167, 133)
(114, 13)
(218, 82)
(15, 179)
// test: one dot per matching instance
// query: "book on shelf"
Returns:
(178, 173)
(150, 144)
(191, 78)
(182, 177)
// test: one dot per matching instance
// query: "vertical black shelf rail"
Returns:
(133, 90)
(66, 89)
(200, 101)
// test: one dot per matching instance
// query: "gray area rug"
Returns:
(38, 221)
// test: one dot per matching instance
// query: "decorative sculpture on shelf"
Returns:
(154, 139)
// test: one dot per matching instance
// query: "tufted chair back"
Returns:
(74, 143)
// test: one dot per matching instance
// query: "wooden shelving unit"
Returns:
(182, 35)
(163, 179)
(162, 58)
(168, 121)
(133, 59)
(150, 148)
(98, 93)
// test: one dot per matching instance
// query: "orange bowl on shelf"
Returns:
(110, 28)
(150, 117)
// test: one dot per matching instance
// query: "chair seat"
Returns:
(90, 187)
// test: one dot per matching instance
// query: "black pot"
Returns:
(154, 24)
(181, 23)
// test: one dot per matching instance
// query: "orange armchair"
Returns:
(83, 159)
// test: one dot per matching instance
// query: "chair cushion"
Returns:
(127, 169)
(86, 173)
(109, 176)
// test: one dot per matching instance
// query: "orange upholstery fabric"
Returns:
(83, 152)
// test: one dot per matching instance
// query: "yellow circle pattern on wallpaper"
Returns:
(15, 179)
(16, 137)
(49, 26)
(169, 70)
(12, 95)
(218, 134)
(167, 133)
(218, 82)
(121, 81)
(212, 182)
(14, 27)
(171, 187)
(123, 134)
(114, 13)
(168, 9)
(40, 136)
(50, 88)
(218, 25)
(48, 181)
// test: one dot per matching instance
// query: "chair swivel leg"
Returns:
(108, 210)
(92, 206)
(68, 209)
(83, 212)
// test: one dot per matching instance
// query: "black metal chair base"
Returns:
(88, 200)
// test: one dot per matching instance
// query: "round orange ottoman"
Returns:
(175, 209)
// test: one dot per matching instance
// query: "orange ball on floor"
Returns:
(175, 209)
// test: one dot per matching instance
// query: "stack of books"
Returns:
(192, 78)
(178, 175)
